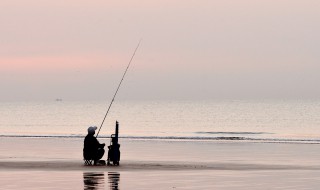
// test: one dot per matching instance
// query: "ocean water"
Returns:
(295, 121)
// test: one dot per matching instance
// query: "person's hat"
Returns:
(92, 129)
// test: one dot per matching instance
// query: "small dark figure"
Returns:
(92, 149)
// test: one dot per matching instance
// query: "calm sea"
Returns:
(266, 121)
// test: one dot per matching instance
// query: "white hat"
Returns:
(91, 129)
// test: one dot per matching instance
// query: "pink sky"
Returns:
(56, 63)
(214, 47)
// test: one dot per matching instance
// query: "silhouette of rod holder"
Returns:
(114, 148)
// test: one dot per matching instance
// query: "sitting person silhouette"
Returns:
(92, 149)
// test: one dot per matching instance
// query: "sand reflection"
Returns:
(93, 180)
(114, 178)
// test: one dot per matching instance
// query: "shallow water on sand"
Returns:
(64, 149)
(242, 180)
(158, 164)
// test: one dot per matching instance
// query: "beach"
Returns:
(158, 164)
(164, 145)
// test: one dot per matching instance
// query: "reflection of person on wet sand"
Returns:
(114, 178)
(92, 149)
(93, 180)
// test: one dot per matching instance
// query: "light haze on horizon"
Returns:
(191, 50)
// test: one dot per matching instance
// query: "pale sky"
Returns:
(191, 49)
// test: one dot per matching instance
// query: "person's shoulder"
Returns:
(89, 137)
(92, 137)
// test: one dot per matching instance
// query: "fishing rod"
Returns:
(119, 86)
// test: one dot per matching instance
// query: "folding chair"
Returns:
(87, 158)
(88, 162)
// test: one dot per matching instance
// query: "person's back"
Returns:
(92, 149)
(90, 146)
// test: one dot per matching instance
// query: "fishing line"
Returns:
(119, 86)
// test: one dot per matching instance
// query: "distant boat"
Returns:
(58, 99)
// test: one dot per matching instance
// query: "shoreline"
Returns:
(217, 139)
(73, 165)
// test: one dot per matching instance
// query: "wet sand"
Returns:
(145, 166)
(72, 175)
(41, 163)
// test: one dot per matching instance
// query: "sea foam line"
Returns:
(182, 138)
